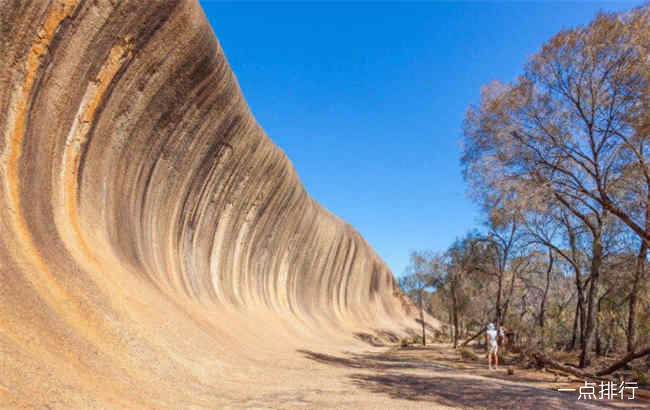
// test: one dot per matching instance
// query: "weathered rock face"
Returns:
(157, 248)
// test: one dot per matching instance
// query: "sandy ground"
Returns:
(425, 377)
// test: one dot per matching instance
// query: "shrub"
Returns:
(468, 355)
(642, 378)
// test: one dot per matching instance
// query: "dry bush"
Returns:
(467, 354)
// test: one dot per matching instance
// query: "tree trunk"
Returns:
(596, 261)
(580, 304)
(583, 317)
(599, 344)
(450, 310)
(424, 335)
(574, 335)
(506, 305)
(497, 318)
(455, 315)
(580, 311)
(585, 355)
(542, 307)
(633, 301)
(648, 357)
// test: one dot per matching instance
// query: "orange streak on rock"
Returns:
(68, 220)
(42, 279)
(25, 251)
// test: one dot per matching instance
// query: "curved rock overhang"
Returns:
(153, 237)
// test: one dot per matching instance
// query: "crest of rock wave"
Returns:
(157, 248)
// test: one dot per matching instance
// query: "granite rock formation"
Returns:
(157, 249)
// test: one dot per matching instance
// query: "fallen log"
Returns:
(465, 343)
(557, 372)
(623, 362)
(541, 358)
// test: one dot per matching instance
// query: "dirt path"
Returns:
(434, 377)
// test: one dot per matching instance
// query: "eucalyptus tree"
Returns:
(463, 257)
(572, 128)
(425, 270)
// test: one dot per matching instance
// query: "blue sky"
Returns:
(368, 99)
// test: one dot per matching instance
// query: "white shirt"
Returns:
(492, 336)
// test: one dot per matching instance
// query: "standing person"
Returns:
(491, 339)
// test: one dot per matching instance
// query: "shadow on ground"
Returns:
(382, 337)
(375, 361)
(467, 392)
(438, 384)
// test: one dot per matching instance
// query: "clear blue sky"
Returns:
(367, 99)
